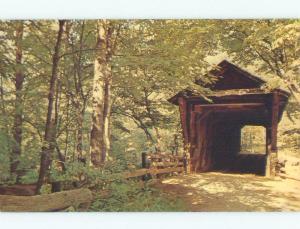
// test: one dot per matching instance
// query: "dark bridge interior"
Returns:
(225, 149)
(233, 151)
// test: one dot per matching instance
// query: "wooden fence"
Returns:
(154, 164)
(22, 198)
(163, 161)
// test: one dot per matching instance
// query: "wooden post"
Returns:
(186, 163)
(55, 186)
(183, 117)
(275, 114)
(271, 137)
(192, 128)
(268, 151)
(192, 141)
(186, 126)
(144, 160)
(145, 165)
(268, 138)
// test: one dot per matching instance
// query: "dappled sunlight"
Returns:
(234, 192)
(172, 181)
(284, 194)
(217, 187)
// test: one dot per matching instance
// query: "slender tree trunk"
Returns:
(57, 105)
(79, 98)
(56, 124)
(176, 144)
(158, 140)
(138, 121)
(74, 147)
(18, 120)
(147, 133)
(79, 147)
(67, 129)
(79, 137)
(153, 120)
(50, 131)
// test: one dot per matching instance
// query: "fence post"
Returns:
(55, 186)
(186, 164)
(144, 165)
(144, 160)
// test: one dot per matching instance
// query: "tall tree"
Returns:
(100, 132)
(50, 128)
(78, 85)
(18, 110)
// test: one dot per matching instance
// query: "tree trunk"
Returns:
(79, 147)
(96, 140)
(153, 120)
(100, 139)
(79, 137)
(106, 118)
(79, 99)
(67, 129)
(158, 140)
(147, 133)
(18, 120)
(56, 124)
(50, 129)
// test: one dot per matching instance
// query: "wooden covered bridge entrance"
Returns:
(212, 123)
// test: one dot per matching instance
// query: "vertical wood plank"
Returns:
(275, 114)
(271, 137)
(183, 117)
(192, 129)
(268, 151)
(268, 139)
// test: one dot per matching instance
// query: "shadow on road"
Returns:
(215, 191)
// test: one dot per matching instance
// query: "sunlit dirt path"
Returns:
(233, 192)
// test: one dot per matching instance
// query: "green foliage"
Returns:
(30, 177)
(4, 158)
(152, 60)
(46, 189)
(134, 196)
(271, 46)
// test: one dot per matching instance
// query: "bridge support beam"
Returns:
(271, 137)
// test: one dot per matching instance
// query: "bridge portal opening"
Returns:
(252, 155)
(253, 140)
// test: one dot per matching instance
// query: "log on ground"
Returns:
(46, 202)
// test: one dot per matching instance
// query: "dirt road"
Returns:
(233, 192)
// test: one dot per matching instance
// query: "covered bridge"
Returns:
(212, 123)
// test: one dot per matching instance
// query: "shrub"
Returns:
(131, 195)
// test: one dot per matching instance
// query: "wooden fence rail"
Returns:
(162, 161)
(143, 172)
